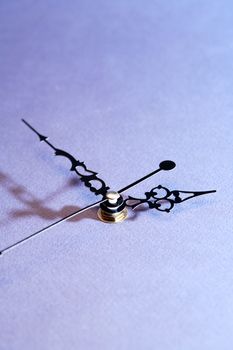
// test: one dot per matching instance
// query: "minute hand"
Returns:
(165, 165)
(86, 175)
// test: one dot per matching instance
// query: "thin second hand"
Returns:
(51, 225)
(165, 165)
(138, 181)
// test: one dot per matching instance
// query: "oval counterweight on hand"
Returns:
(167, 165)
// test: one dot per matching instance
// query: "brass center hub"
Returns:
(113, 210)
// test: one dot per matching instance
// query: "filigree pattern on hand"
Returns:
(162, 199)
(87, 176)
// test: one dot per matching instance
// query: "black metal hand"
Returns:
(160, 198)
(165, 165)
(87, 176)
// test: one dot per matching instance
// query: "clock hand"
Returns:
(109, 198)
(52, 225)
(165, 165)
(164, 201)
(86, 175)
(114, 210)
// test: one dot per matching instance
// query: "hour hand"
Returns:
(87, 176)
(162, 199)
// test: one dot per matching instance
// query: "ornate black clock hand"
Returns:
(160, 198)
(113, 211)
(113, 206)
(87, 176)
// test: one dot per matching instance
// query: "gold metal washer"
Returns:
(112, 218)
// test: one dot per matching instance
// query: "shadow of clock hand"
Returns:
(51, 214)
(37, 207)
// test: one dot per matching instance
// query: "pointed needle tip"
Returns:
(208, 192)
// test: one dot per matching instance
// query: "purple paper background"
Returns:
(121, 85)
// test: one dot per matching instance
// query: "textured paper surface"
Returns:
(121, 85)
